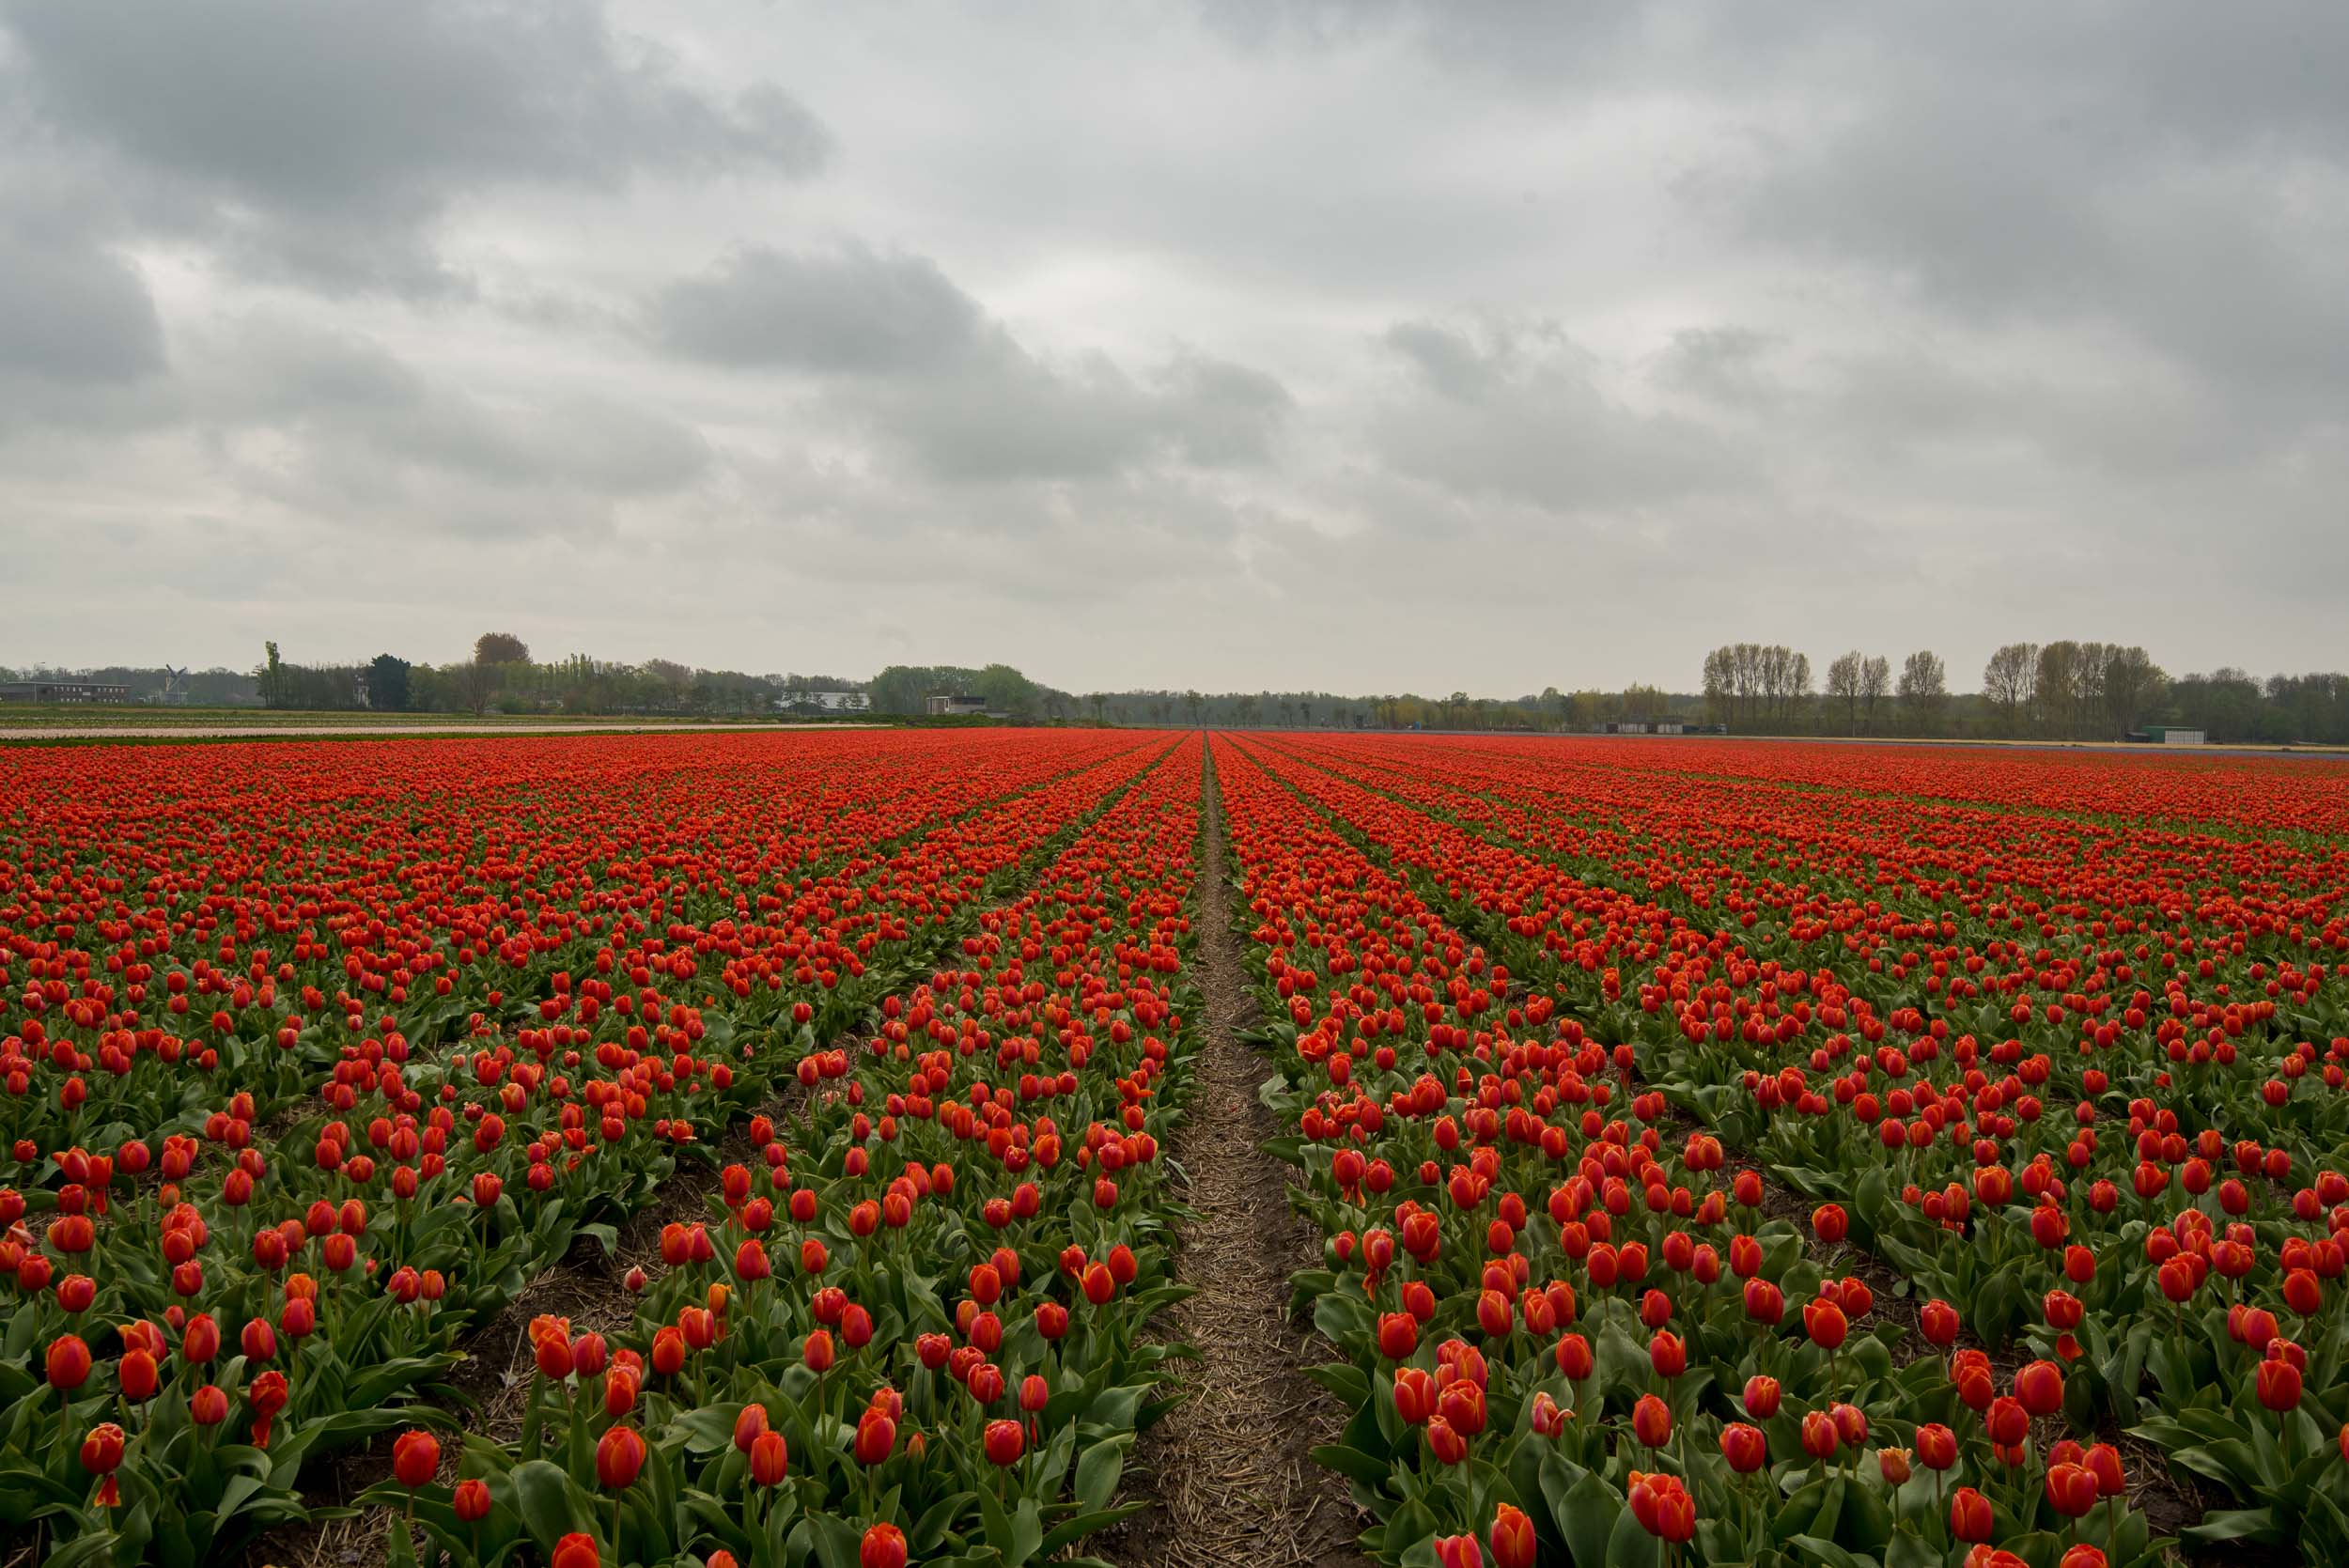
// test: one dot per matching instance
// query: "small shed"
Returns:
(2172, 735)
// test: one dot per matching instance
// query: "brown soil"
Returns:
(1228, 1473)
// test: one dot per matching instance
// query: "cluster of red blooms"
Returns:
(1443, 924)
(611, 937)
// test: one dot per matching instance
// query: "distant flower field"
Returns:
(1722, 1152)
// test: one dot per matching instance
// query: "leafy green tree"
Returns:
(387, 683)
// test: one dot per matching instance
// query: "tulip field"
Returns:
(1721, 1151)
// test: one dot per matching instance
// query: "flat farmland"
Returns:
(997, 1147)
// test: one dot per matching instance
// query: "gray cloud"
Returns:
(74, 311)
(1183, 347)
(851, 311)
(339, 429)
(929, 374)
(327, 140)
(1520, 412)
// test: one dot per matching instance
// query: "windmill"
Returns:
(175, 685)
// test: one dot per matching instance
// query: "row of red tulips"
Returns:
(910, 1326)
(1355, 982)
(2032, 1180)
(234, 1290)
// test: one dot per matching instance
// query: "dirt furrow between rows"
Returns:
(1229, 1473)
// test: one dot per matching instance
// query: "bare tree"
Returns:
(1876, 684)
(1924, 689)
(2009, 681)
(2056, 687)
(476, 683)
(1720, 685)
(2132, 684)
(1842, 686)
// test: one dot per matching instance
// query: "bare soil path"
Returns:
(1228, 1471)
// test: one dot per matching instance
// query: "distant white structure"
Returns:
(827, 702)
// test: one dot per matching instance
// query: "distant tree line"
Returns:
(906, 690)
(2059, 691)
(502, 678)
(1550, 711)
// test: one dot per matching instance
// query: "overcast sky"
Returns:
(1355, 346)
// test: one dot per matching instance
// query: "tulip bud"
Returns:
(619, 1455)
(883, 1546)
(415, 1458)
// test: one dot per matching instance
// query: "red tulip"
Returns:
(68, 1363)
(576, 1550)
(416, 1458)
(551, 1346)
(1004, 1443)
(267, 1395)
(2040, 1386)
(1851, 1424)
(875, 1435)
(883, 1546)
(1663, 1507)
(1761, 1397)
(1970, 1517)
(1936, 1445)
(1458, 1551)
(1512, 1538)
(770, 1458)
(1745, 1448)
(1825, 1323)
(1938, 1321)
(748, 1425)
(472, 1501)
(2071, 1490)
(1652, 1421)
(619, 1455)
(102, 1453)
(2278, 1383)
(2104, 1463)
